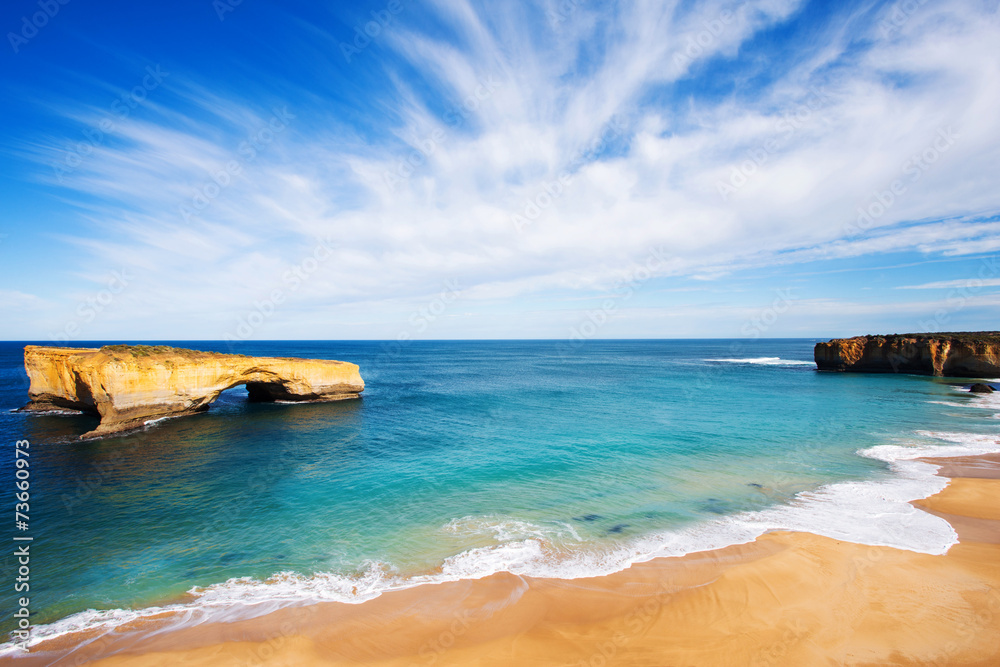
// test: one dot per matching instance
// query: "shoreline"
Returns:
(784, 598)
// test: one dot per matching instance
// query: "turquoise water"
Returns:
(465, 458)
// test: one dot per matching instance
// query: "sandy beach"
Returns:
(785, 599)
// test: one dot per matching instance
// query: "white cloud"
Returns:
(824, 157)
(965, 283)
(17, 300)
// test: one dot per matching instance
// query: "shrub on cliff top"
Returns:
(146, 350)
(138, 351)
(954, 336)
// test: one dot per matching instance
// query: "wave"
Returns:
(157, 420)
(872, 512)
(983, 404)
(980, 401)
(57, 412)
(962, 444)
(764, 361)
(507, 529)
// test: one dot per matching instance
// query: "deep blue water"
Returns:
(459, 455)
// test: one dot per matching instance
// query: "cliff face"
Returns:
(950, 355)
(130, 385)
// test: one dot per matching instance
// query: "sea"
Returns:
(467, 458)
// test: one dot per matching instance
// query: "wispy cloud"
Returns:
(485, 113)
(956, 284)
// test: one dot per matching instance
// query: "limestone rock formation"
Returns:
(967, 354)
(129, 386)
(982, 388)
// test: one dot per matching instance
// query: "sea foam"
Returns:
(764, 361)
(873, 512)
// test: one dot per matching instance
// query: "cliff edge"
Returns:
(966, 354)
(128, 385)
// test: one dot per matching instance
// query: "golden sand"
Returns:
(785, 599)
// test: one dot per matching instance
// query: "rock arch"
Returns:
(127, 386)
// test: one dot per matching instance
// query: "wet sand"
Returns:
(785, 599)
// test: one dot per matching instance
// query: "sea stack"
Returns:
(129, 385)
(966, 354)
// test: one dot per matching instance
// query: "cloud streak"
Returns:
(487, 105)
(956, 284)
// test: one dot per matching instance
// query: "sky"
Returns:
(565, 169)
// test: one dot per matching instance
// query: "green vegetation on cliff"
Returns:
(138, 351)
(954, 336)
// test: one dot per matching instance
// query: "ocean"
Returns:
(466, 458)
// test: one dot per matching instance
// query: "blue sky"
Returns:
(564, 169)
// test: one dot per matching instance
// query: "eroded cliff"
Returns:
(967, 354)
(131, 385)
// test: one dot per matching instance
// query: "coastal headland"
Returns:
(130, 385)
(966, 354)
